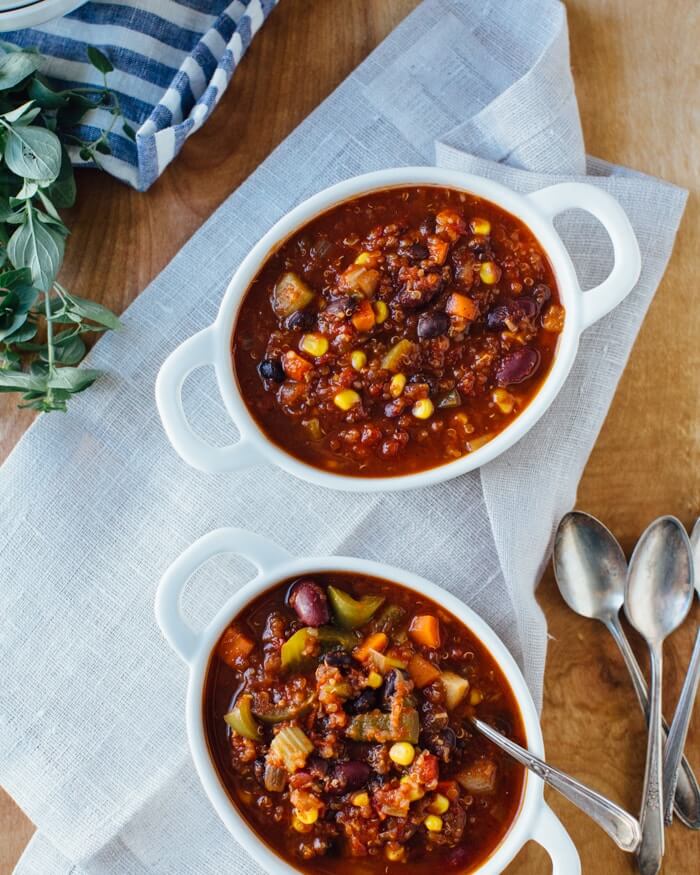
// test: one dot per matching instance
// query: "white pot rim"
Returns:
(537, 210)
(534, 820)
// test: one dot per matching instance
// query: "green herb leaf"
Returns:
(99, 60)
(44, 96)
(33, 153)
(40, 248)
(13, 381)
(16, 66)
(62, 190)
(94, 312)
(129, 131)
(73, 379)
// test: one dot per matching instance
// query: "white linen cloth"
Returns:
(96, 504)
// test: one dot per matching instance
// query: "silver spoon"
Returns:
(591, 572)
(686, 700)
(619, 824)
(657, 599)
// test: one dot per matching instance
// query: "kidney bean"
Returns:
(271, 369)
(348, 777)
(517, 366)
(366, 701)
(433, 324)
(310, 602)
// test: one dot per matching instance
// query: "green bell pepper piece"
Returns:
(351, 613)
(376, 726)
(241, 719)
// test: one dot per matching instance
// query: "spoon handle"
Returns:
(679, 729)
(686, 798)
(651, 849)
(621, 826)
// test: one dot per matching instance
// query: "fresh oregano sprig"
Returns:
(41, 323)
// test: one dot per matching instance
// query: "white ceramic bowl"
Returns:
(534, 820)
(212, 346)
(17, 14)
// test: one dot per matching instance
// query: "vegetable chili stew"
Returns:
(334, 709)
(396, 332)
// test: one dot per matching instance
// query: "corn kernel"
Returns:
(346, 399)
(423, 408)
(397, 384)
(503, 400)
(482, 227)
(364, 258)
(374, 680)
(402, 753)
(358, 359)
(360, 800)
(314, 344)
(433, 823)
(307, 816)
(299, 825)
(439, 805)
(490, 273)
(395, 854)
(476, 697)
(381, 311)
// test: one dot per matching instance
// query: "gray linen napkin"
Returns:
(91, 724)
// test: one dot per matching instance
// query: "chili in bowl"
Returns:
(327, 715)
(398, 329)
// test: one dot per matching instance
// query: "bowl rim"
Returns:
(532, 802)
(521, 206)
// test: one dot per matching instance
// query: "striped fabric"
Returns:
(173, 60)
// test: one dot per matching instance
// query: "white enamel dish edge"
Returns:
(30, 13)
(534, 820)
(212, 346)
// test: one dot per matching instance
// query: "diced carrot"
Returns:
(295, 366)
(376, 641)
(234, 647)
(461, 305)
(425, 630)
(363, 318)
(422, 671)
(438, 249)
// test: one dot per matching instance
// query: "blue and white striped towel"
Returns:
(173, 60)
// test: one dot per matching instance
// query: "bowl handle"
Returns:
(627, 264)
(264, 554)
(196, 352)
(550, 833)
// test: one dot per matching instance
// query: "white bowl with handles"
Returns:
(534, 819)
(212, 346)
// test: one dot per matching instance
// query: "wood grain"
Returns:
(636, 73)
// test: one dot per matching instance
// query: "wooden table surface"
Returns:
(636, 73)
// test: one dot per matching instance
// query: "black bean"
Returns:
(340, 659)
(348, 777)
(366, 701)
(419, 251)
(517, 366)
(427, 226)
(310, 602)
(441, 743)
(271, 369)
(541, 293)
(317, 766)
(302, 320)
(433, 324)
(511, 311)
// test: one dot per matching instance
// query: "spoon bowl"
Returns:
(660, 583)
(590, 567)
